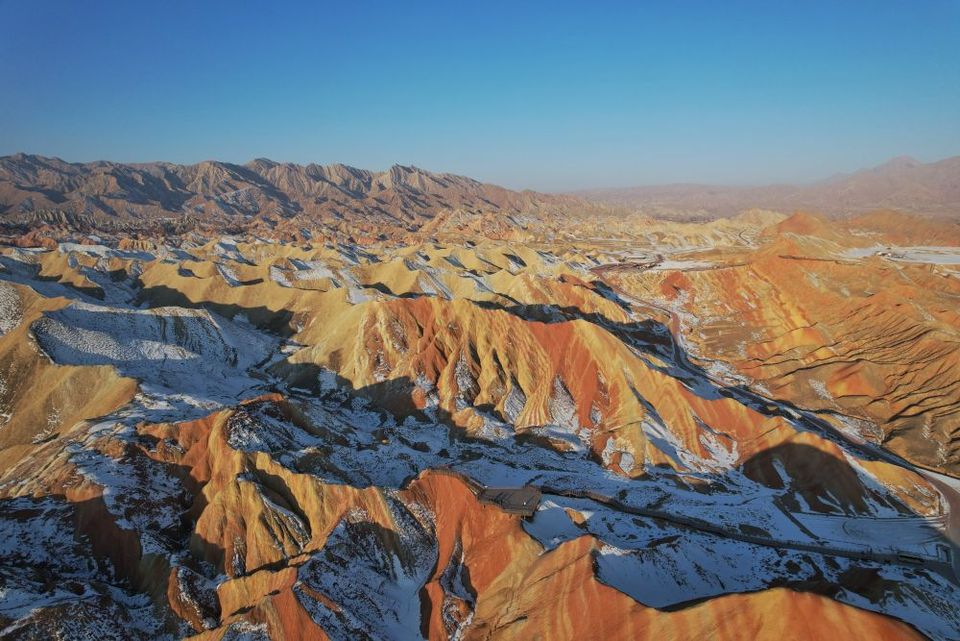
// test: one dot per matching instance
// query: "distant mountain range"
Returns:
(284, 199)
(902, 183)
(259, 195)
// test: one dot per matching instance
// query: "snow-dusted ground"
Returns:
(663, 541)
(377, 590)
(180, 356)
(102, 251)
(415, 445)
(37, 537)
(936, 255)
(11, 312)
(680, 265)
(662, 565)
(659, 562)
(431, 279)
(144, 498)
(227, 274)
(312, 270)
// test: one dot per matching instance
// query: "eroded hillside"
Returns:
(263, 197)
(565, 431)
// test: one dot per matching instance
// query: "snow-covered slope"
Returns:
(349, 442)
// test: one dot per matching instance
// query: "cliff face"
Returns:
(602, 435)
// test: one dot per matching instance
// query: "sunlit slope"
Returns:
(675, 432)
(872, 336)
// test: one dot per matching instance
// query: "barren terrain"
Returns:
(467, 413)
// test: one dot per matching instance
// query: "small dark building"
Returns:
(523, 500)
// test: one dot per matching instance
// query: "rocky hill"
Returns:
(261, 196)
(902, 183)
(603, 430)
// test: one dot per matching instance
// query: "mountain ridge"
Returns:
(261, 195)
(293, 201)
(901, 183)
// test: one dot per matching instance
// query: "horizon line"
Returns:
(580, 191)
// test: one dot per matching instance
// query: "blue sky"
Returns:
(551, 96)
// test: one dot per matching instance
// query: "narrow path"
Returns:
(950, 489)
(823, 547)
(947, 486)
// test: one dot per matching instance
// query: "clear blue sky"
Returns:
(551, 95)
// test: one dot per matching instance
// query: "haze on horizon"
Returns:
(553, 97)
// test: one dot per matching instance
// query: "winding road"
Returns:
(948, 487)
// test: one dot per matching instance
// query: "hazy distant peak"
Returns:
(899, 162)
(901, 183)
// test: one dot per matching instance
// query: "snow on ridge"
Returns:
(183, 358)
(52, 587)
(101, 335)
(11, 312)
(132, 489)
(243, 631)
(279, 276)
(311, 270)
(663, 565)
(227, 274)
(931, 254)
(375, 584)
